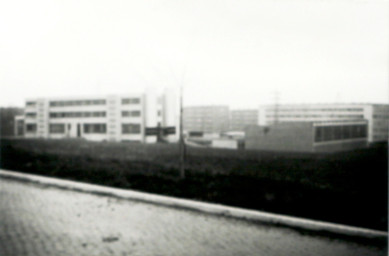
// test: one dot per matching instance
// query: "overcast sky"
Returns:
(224, 52)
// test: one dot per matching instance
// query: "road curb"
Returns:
(214, 209)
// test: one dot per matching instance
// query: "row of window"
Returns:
(330, 133)
(314, 109)
(130, 128)
(77, 114)
(93, 128)
(381, 116)
(127, 101)
(76, 103)
(31, 115)
(134, 113)
(57, 128)
(30, 103)
(381, 129)
(315, 116)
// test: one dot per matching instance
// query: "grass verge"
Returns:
(347, 187)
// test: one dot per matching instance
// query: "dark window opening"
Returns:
(342, 132)
(135, 113)
(31, 127)
(127, 101)
(57, 128)
(130, 128)
(95, 128)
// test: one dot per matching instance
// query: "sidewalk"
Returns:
(37, 219)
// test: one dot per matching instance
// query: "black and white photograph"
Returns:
(193, 127)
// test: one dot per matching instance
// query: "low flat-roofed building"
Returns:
(319, 136)
(132, 117)
(377, 115)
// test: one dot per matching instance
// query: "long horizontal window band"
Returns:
(330, 133)
(316, 109)
(30, 103)
(95, 128)
(33, 114)
(315, 116)
(77, 114)
(134, 113)
(127, 101)
(77, 103)
(57, 128)
(130, 128)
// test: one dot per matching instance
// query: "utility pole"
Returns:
(182, 143)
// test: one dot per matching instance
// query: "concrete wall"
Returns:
(340, 145)
(281, 137)
(224, 143)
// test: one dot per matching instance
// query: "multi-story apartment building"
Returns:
(377, 115)
(206, 119)
(239, 119)
(128, 117)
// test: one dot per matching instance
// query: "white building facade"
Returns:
(206, 119)
(240, 118)
(377, 116)
(106, 118)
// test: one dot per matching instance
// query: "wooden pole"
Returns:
(181, 142)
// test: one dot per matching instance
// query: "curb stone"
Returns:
(214, 209)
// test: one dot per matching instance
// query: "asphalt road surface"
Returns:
(39, 220)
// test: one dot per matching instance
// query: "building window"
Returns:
(130, 128)
(31, 115)
(77, 114)
(95, 128)
(341, 132)
(57, 128)
(135, 113)
(98, 114)
(30, 103)
(127, 101)
(30, 127)
(77, 103)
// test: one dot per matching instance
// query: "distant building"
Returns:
(206, 119)
(241, 118)
(319, 136)
(19, 126)
(7, 120)
(377, 116)
(132, 117)
(231, 140)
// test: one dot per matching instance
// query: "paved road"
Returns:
(38, 220)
